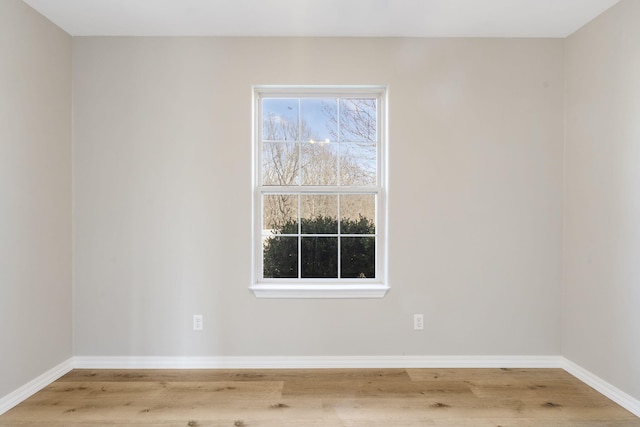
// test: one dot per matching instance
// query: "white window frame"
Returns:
(320, 288)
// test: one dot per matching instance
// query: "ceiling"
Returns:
(323, 18)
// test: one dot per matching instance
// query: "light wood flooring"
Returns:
(327, 397)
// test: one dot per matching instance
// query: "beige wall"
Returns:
(162, 197)
(602, 209)
(35, 195)
(162, 193)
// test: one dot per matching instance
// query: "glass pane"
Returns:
(280, 119)
(358, 120)
(280, 257)
(280, 214)
(319, 163)
(319, 118)
(319, 214)
(358, 164)
(358, 257)
(280, 163)
(319, 257)
(358, 214)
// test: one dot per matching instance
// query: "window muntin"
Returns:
(319, 188)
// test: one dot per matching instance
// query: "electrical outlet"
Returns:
(418, 322)
(197, 322)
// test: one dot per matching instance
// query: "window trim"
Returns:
(320, 288)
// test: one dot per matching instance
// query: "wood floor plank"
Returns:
(327, 398)
(490, 376)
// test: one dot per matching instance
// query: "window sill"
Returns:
(319, 291)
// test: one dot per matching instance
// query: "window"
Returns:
(319, 192)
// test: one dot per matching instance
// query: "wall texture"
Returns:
(35, 195)
(602, 235)
(162, 194)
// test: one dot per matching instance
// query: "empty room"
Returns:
(335, 213)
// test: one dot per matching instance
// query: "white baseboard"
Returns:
(318, 362)
(12, 399)
(620, 397)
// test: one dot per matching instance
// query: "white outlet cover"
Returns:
(418, 322)
(197, 322)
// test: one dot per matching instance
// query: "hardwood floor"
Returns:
(332, 397)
